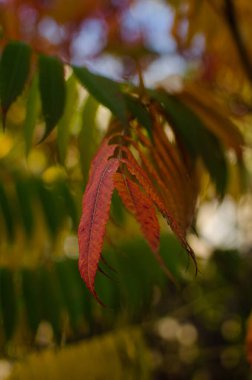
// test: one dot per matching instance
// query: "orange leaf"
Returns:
(135, 169)
(137, 202)
(95, 214)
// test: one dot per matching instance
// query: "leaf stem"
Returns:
(232, 22)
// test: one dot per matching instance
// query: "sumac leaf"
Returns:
(32, 107)
(14, 71)
(198, 140)
(141, 206)
(52, 90)
(104, 90)
(8, 301)
(95, 213)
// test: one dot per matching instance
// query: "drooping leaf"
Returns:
(134, 168)
(198, 140)
(52, 90)
(14, 71)
(88, 136)
(95, 213)
(64, 124)
(104, 90)
(32, 107)
(141, 206)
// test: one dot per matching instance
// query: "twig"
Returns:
(232, 22)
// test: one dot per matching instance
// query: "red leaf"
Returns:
(95, 214)
(142, 207)
(137, 202)
(145, 182)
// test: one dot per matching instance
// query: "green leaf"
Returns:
(32, 108)
(65, 122)
(7, 215)
(198, 140)
(68, 203)
(24, 196)
(31, 297)
(50, 298)
(14, 71)
(51, 206)
(139, 111)
(104, 90)
(85, 298)
(8, 301)
(52, 90)
(71, 293)
(89, 135)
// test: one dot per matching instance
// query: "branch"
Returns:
(232, 22)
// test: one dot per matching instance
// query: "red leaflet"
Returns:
(104, 153)
(95, 214)
(137, 202)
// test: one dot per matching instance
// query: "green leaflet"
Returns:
(62, 188)
(117, 210)
(31, 298)
(89, 135)
(7, 215)
(14, 71)
(52, 90)
(104, 90)
(8, 301)
(65, 122)
(32, 108)
(51, 299)
(71, 293)
(51, 206)
(24, 196)
(197, 139)
(82, 292)
(139, 111)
